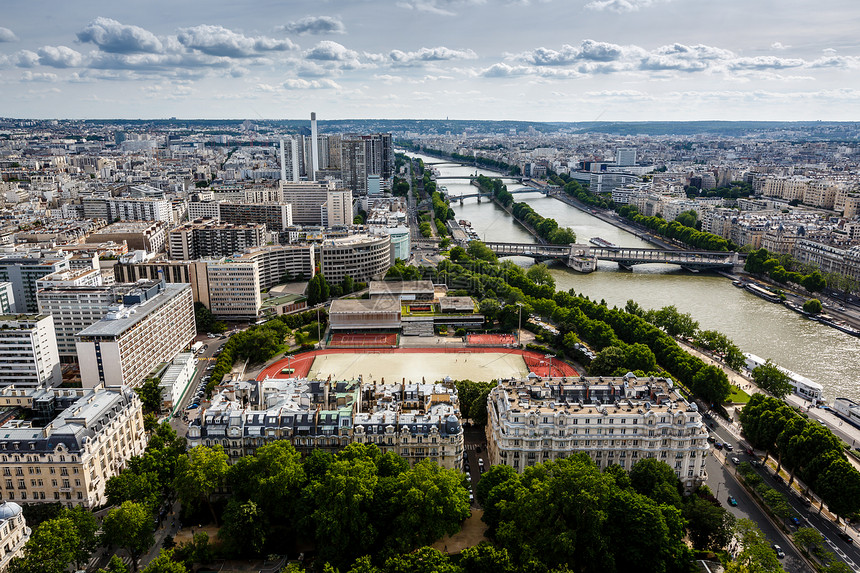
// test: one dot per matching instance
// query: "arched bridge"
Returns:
(479, 195)
(584, 257)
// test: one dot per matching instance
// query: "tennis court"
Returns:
(362, 340)
(491, 339)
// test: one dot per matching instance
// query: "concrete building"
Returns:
(24, 271)
(307, 199)
(209, 238)
(625, 156)
(337, 210)
(14, 532)
(276, 216)
(28, 351)
(127, 209)
(353, 164)
(69, 278)
(7, 298)
(74, 308)
(75, 441)
(415, 421)
(149, 236)
(151, 325)
(373, 314)
(362, 257)
(613, 420)
(175, 380)
(234, 289)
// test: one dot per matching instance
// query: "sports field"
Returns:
(429, 364)
(416, 366)
(363, 340)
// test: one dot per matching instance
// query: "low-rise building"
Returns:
(175, 379)
(613, 420)
(357, 314)
(75, 440)
(149, 236)
(362, 257)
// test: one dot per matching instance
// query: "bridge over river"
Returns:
(584, 258)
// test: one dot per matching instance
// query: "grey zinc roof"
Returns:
(106, 327)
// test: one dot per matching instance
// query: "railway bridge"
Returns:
(584, 258)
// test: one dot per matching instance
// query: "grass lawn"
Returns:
(738, 396)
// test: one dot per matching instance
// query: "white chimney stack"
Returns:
(314, 151)
(283, 162)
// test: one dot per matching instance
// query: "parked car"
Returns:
(732, 501)
(718, 445)
(845, 536)
(779, 552)
(795, 521)
(728, 447)
(736, 461)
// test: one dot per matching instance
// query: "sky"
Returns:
(530, 60)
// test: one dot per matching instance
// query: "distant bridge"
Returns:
(584, 257)
(473, 177)
(488, 195)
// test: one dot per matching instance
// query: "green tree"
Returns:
(150, 395)
(199, 475)
(479, 250)
(608, 361)
(425, 560)
(770, 378)
(539, 274)
(712, 384)
(656, 480)
(115, 565)
(86, 526)
(688, 218)
(164, 563)
(129, 527)
(52, 547)
(244, 527)
(809, 538)
(709, 524)
(130, 486)
(757, 555)
(485, 558)
(812, 306)
(814, 282)
(490, 308)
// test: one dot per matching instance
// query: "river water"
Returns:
(821, 353)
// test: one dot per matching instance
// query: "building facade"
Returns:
(14, 532)
(362, 257)
(613, 420)
(151, 325)
(86, 438)
(23, 272)
(416, 421)
(28, 351)
(209, 238)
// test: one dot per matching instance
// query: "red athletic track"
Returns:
(365, 339)
(302, 363)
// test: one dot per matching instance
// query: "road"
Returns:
(722, 478)
(205, 359)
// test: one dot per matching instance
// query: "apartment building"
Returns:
(208, 238)
(613, 420)
(24, 271)
(74, 308)
(127, 209)
(7, 298)
(149, 236)
(306, 198)
(362, 257)
(416, 421)
(153, 324)
(28, 351)
(234, 289)
(74, 442)
(337, 210)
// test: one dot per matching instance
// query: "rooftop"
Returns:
(127, 317)
(381, 304)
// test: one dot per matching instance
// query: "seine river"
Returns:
(769, 330)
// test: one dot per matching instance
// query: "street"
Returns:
(722, 478)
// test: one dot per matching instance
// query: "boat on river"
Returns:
(603, 243)
(762, 292)
(838, 324)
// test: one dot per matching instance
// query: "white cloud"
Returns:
(502, 70)
(59, 57)
(765, 62)
(29, 76)
(112, 36)
(7, 35)
(779, 46)
(300, 84)
(220, 41)
(314, 25)
(438, 7)
(620, 6)
(438, 54)
(329, 51)
(588, 50)
(26, 59)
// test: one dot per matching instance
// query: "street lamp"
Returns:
(550, 363)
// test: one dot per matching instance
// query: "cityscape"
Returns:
(448, 286)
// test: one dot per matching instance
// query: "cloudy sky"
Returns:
(539, 60)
